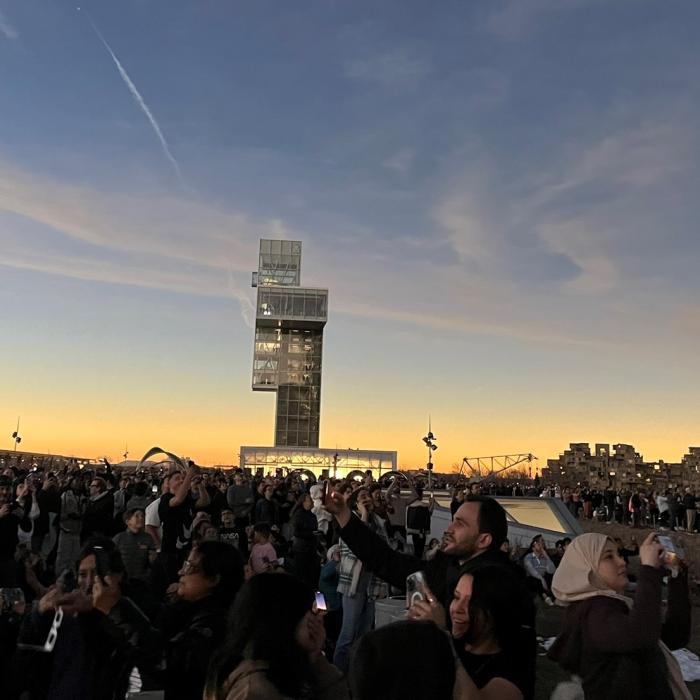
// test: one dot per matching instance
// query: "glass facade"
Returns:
(279, 263)
(275, 304)
(338, 463)
(289, 343)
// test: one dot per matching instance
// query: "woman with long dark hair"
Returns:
(274, 646)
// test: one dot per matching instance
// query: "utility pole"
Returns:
(16, 436)
(430, 441)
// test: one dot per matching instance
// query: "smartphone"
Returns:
(320, 603)
(672, 554)
(102, 565)
(154, 488)
(417, 588)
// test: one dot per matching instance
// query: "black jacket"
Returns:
(93, 655)
(442, 574)
(98, 518)
(192, 633)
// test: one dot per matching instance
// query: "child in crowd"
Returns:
(227, 531)
(136, 546)
(263, 556)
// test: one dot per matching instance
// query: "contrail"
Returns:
(139, 100)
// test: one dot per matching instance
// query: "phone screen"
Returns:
(320, 603)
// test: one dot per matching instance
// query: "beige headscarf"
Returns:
(576, 579)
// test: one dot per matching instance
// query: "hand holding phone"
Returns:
(417, 589)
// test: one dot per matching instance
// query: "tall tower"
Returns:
(289, 323)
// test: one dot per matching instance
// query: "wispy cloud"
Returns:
(6, 28)
(397, 69)
(515, 18)
(400, 162)
(141, 103)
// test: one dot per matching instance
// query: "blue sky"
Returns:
(500, 195)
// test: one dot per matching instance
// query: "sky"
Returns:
(500, 195)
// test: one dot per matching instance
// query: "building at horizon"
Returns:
(287, 360)
(620, 467)
(289, 322)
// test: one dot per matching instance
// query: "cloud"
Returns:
(6, 29)
(396, 69)
(517, 18)
(586, 220)
(400, 162)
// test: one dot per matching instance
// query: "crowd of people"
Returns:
(195, 583)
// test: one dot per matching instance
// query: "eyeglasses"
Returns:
(189, 567)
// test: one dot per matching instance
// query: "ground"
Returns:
(550, 620)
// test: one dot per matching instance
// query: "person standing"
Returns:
(359, 587)
(304, 542)
(240, 500)
(135, 546)
(70, 521)
(689, 505)
(153, 525)
(98, 517)
(266, 507)
(13, 517)
(176, 511)
(418, 515)
(662, 506)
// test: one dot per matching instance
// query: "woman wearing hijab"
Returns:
(616, 644)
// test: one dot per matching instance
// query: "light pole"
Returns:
(430, 441)
(16, 436)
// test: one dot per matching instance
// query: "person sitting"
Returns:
(615, 644)
(406, 659)
(274, 644)
(195, 624)
(540, 569)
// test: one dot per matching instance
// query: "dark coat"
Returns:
(93, 655)
(192, 632)
(616, 650)
(98, 518)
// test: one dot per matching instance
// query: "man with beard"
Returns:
(472, 540)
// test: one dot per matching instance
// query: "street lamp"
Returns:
(430, 441)
(16, 437)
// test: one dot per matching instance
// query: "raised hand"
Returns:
(650, 551)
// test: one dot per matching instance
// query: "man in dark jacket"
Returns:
(98, 518)
(473, 539)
